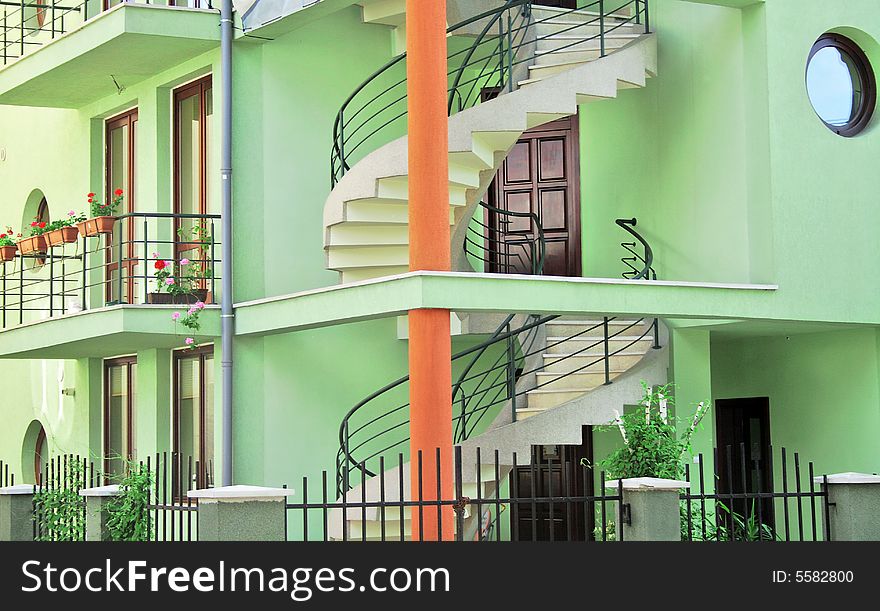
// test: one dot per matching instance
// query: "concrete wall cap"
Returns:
(649, 483)
(240, 492)
(18, 489)
(111, 490)
(849, 478)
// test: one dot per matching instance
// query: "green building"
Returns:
(658, 191)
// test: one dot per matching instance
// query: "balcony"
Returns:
(113, 293)
(60, 54)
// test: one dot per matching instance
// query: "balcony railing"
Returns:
(25, 25)
(130, 266)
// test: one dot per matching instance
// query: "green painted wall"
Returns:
(824, 392)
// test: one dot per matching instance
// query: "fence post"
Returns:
(852, 506)
(97, 500)
(242, 513)
(17, 513)
(650, 508)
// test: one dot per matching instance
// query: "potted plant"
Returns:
(8, 247)
(177, 283)
(36, 242)
(64, 231)
(183, 281)
(102, 219)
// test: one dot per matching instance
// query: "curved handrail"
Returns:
(647, 259)
(496, 250)
(487, 63)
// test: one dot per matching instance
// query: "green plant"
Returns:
(59, 510)
(652, 445)
(38, 227)
(726, 525)
(108, 209)
(9, 237)
(129, 512)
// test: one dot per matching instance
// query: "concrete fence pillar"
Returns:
(17, 513)
(853, 506)
(97, 500)
(242, 513)
(651, 508)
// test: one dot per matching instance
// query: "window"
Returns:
(119, 415)
(193, 417)
(841, 85)
(42, 216)
(193, 156)
(119, 173)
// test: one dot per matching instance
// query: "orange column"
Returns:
(430, 348)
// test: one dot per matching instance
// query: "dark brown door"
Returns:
(540, 175)
(556, 471)
(744, 461)
(120, 151)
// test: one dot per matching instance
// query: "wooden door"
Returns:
(120, 165)
(556, 471)
(540, 175)
(744, 461)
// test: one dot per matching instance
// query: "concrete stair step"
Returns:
(594, 345)
(580, 42)
(559, 364)
(574, 381)
(382, 211)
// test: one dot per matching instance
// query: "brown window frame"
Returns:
(128, 118)
(127, 362)
(201, 353)
(38, 455)
(864, 113)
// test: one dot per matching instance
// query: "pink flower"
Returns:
(192, 311)
(71, 213)
(199, 305)
(169, 281)
(155, 255)
(184, 261)
(189, 341)
(175, 316)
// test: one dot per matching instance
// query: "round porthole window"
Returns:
(841, 85)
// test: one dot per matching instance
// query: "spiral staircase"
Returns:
(536, 379)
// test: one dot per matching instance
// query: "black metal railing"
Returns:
(503, 245)
(639, 263)
(495, 506)
(495, 373)
(744, 498)
(488, 53)
(25, 25)
(117, 268)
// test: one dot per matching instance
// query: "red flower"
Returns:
(90, 196)
(2, 235)
(91, 200)
(117, 192)
(42, 225)
(34, 224)
(160, 264)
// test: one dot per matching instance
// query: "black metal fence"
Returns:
(175, 516)
(117, 268)
(746, 497)
(60, 510)
(540, 500)
(7, 477)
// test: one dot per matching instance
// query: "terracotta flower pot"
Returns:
(185, 299)
(96, 226)
(64, 235)
(7, 253)
(35, 243)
